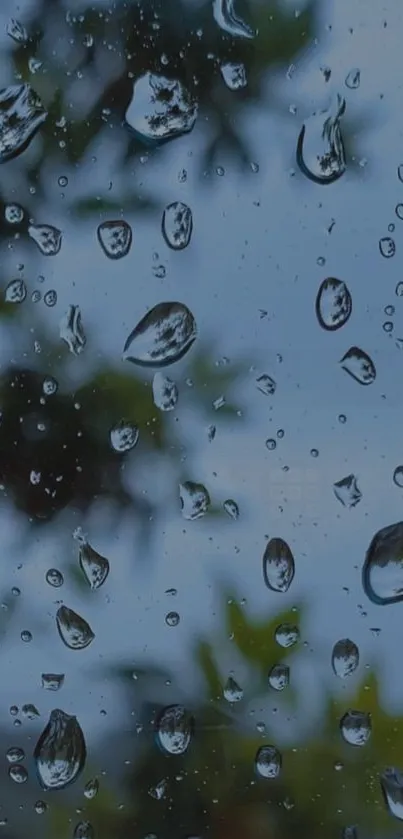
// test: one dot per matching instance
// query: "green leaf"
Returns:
(255, 639)
(205, 659)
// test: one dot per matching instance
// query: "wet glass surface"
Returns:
(200, 445)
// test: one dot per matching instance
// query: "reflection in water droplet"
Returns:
(387, 247)
(320, 149)
(30, 712)
(268, 762)
(124, 436)
(49, 386)
(40, 807)
(234, 75)
(172, 619)
(355, 727)
(115, 238)
(286, 635)
(18, 773)
(15, 754)
(266, 384)
(279, 676)
(398, 476)
(174, 729)
(278, 565)
(71, 330)
(162, 337)
(84, 830)
(13, 214)
(399, 211)
(165, 392)
(270, 444)
(21, 114)
(232, 692)
(26, 636)
(52, 681)
(60, 752)
(15, 292)
(177, 225)
(47, 238)
(17, 31)
(94, 566)
(158, 792)
(50, 298)
(231, 507)
(392, 788)
(345, 658)
(194, 499)
(160, 108)
(382, 574)
(91, 788)
(353, 79)
(227, 19)
(333, 304)
(74, 631)
(359, 365)
(54, 577)
(347, 491)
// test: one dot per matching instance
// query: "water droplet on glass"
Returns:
(91, 788)
(50, 298)
(355, 727)
(74, 631)
(399, 211)
(52, 681)
(392, 788)
(158, 792)
(71, 330)
(30, 712)
(211, 433)
(218, 403)
(172, 619)
(40, 807)
(345, 658)
(279, 676)
(320, 149)
(21, 114)
(347, 491)
(232, 692)
(177, 225)
(231, 507)
(160, 108)
(278, 565)
(353, 79)
(266, 384)
(62, 181)
(174, 729)
(162, 337)
(359, 365)
(268, 762)
(94, 566)
(18, 773)
(227, 19)
(34, 65)
(49, 386)
(83, 830)
(286, 635)
(387, 247)
(382, 574)
(333, 304)
(15, 292)
(124, 436)
(398, 476)
(165, 392)
(15, 754)
(47, 238)
(17, 31)
(13, 214)
(60, 752)
(115, 238)
(194, 500)
(26, 636)
(36, 296)
(234, 75)
(54, 577)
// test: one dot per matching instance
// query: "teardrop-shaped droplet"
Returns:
(71, 330)
(347, 491)
(21, 114)
(359, 365)
(194, 499)
(160, 108)
(231, 508)
(74, 631)
(227, 19)
(279, 676)
(333, 304)
(320, 149)
(345, 658)
(353, 79)
(52, 681)
(355, 727)
(177, 225)
(165, 392)
(84, 830)
(162, 337)
(392, 788)
(60, 752)
(47, 238)
(16, 30)
(232, 691)
(94, 566)
(382, 574)
(115, 238)
(91, 788)
(15, 292)
(174, 729)
(268, 762)
(286, 635)
(124, 436)
(234, 75)
(278, 565)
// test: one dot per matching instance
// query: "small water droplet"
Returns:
(160, 109)
(18, 773)
(84, 830)
(355, 727)
(124, 436)
(34, 65)
(359, 365)
(387, 247)
(389, 310)
(49, 386)
(50, 298)
(54, 577)
(320, 149)
(399, 211)
(342, 418)
(16, 30)
(174, 729)
(71, 330)
(234, 75)
(279, 676)
(400, 172)
(52, 681)
(62, 181)
(115, 238)
(13, 214)
(278, 565)
(194, 500)
(231, 507)
(286, 635)
(159, 271)
(74, 631)
(398, 476)
(165, 392)
(172, 619)
(391, 227)
(387, 326)
(159, 791)
(270, 444)
(36, 296)
(91, 788)
(347, 491)
(333, 304)
(40, 807)
(232, 692)
(228, 20)
(162, 337)
(15, 292)
(29, 711)
(268, 762)
(211, 432)
(26, 636)
(345, 658)
(353, 79)
(47, 238)
(15, 754)
(266, 384)
(392, 787)
(60, 752)
(177, 225)
(218, 403)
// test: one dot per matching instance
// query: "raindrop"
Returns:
(60, 752)
(34, 65)
(333, 304)
(159, 790)
(162, 336)
(279, 676)
(231, 507)
(174, 729)
(71, 330)
(227, 19)
(13, 214)
(83, 830)
(74, 631)
(353, 79)
(165, 392)
(172, 619)
(387, 247)
(345, 658)
(50, 298)
(359, 365)
(47, 238)
(268, 762)
(382, 574)
(40, 807)
(115, 238)
(347, 491)
(36, 296)
(355, 727)
(15, 754)
(17, 31)
(21, 114)
(54, 577)
(177, 225)
(278, 565)
(52, 681)
(159, 271)
(18, 773)
(232, 692)
(26, 636)
(286, 635)
(62, 181)
(91, 788)
(160, 108)
(234, 75)
(266, 384)
(218, 403)
(194, 500)
(30, 712)
(392, 788)
(49, 386)
(94, 566)
(124, 436)
(15, 292)
(270, 444)
(399, 211)
(399, 290)
(211, 432)
(398, 476)
(320, 149)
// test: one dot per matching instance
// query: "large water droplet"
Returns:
(333, 304)
(268, 762)
(392, 788)
(355, 727)
(232, 692)
(320, 149)
(382, 574)
(60, 752)
(286, 635)
(177, 225)
(347, 491)
(160, 108)
(279, 676)
(15, 292)
(54, 577)
(16, 30)
(234, 75)
(227, 19)
(47, 238)
(162, 337)
(194, 499)
(84, 830)
(124, 436)
(94, 566)
(115, 238)
(278, 565)
(52, 681)
(345, 658)
(71, 330)
(165, 392)
(359, 365)
(74, 631)
(174, 729)
(21, 114)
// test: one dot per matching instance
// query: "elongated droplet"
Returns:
(84, 830)
(60, 752)
(232, 691)
(16, 30)
(165, 392)
(159, 791)
(74, 631)
(160, 108)
(355, 727)
(124, 436)
(91, 788)
(345, 658)
(15, 292)
(94, 566)
(194, 500)
(382, 574)
(227, 19)
(359, 365)
(278, 565)
(268, 762)
(333, 304)
(286, 635)
(392, 788)
(21, 114)
(174, 729)
(347, 491)
(47, 238)
(320, 149)
(177, 225)
(52, 681)
(231, 508)
(234, 75)
(71, 330)
(279, 676)
(162, 337)
(115, 238)
(353, 79)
